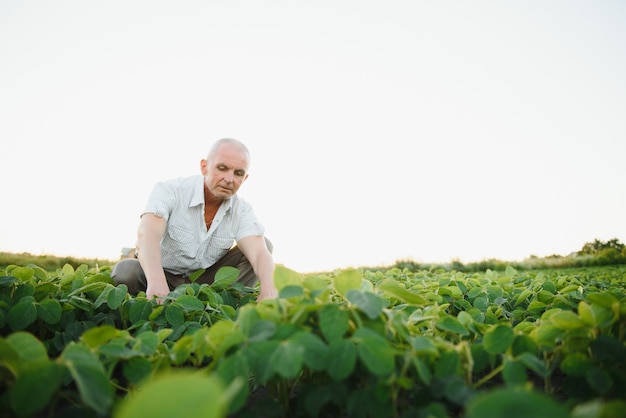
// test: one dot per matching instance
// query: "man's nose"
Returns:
(229, 177)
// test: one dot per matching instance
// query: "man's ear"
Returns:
(203, 167)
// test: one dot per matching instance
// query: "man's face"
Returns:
(226, 171)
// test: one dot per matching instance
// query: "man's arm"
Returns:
(262, 263)
(151, 231)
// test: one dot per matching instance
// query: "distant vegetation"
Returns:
(592, 254)
(49, 262)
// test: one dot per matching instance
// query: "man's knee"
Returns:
(129, 272)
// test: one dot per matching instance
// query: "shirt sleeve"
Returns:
(161, 201)
(249, 225)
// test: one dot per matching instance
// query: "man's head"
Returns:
(226, 167)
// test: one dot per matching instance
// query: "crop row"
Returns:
(351, 343)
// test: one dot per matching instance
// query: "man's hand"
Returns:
(157, 290)
(267, 292)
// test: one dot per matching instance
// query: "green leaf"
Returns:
(95, 389)
(49, 310)
(514, 403)
(567, 320)
(175, 315)
(98, 336)
(594, 315)
(342, 354)
(375, 352)
(22, 314)
(291, 291)
(262, 330)
(600, 380)
(235, 367)
(422, 371)
(514, 373)
(190, 303)
(449, 364)
(535, 364)
(424, 345)
(452, 325)
(369, 303)
(287, 358)
(196, 274)
(37, 383)
(28, 347)
(333, 322)
(67, 269)
(394, 289)
(316, 351)
(498, 339)
(136, 369)
(140, 310)
(224, 278)
(192, 395)
(117, 296)
(347, 280)
(147, 342)
(284, 277)
(25, 274)
(576, 364)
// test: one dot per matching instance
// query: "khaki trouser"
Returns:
(129, 272)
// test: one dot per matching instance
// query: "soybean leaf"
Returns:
(232, 368)
(49, 310)
(369, 303)
(284, 277)
(567, 320)
(375, 352)
(600, 380)
(514, 403)
(136, 369)
(262, 330)
(316, 351)
(498, 339)
(535, 364)
(32, 390)
(347, 280)
(98, 336)
(449, 364)
(394, 289)
(88, 373)
(140, 310)
(333, 322)
(514, 373)
(117, 296)
(28, 347)
(175, 315)
(452, 325)
(190, 303)
(287, 358)
(146, 342)
(22, 314)
(192, 395)
(224, 278)
(343, 356)
(291, 291)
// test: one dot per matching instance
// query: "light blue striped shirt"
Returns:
(187, 246)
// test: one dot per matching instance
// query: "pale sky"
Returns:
(379, 130)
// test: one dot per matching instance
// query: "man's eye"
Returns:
(239, 173)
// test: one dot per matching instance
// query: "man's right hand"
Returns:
(157, 290)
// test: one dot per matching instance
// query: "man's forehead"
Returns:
(231, 156)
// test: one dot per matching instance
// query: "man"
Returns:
(192, 223)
